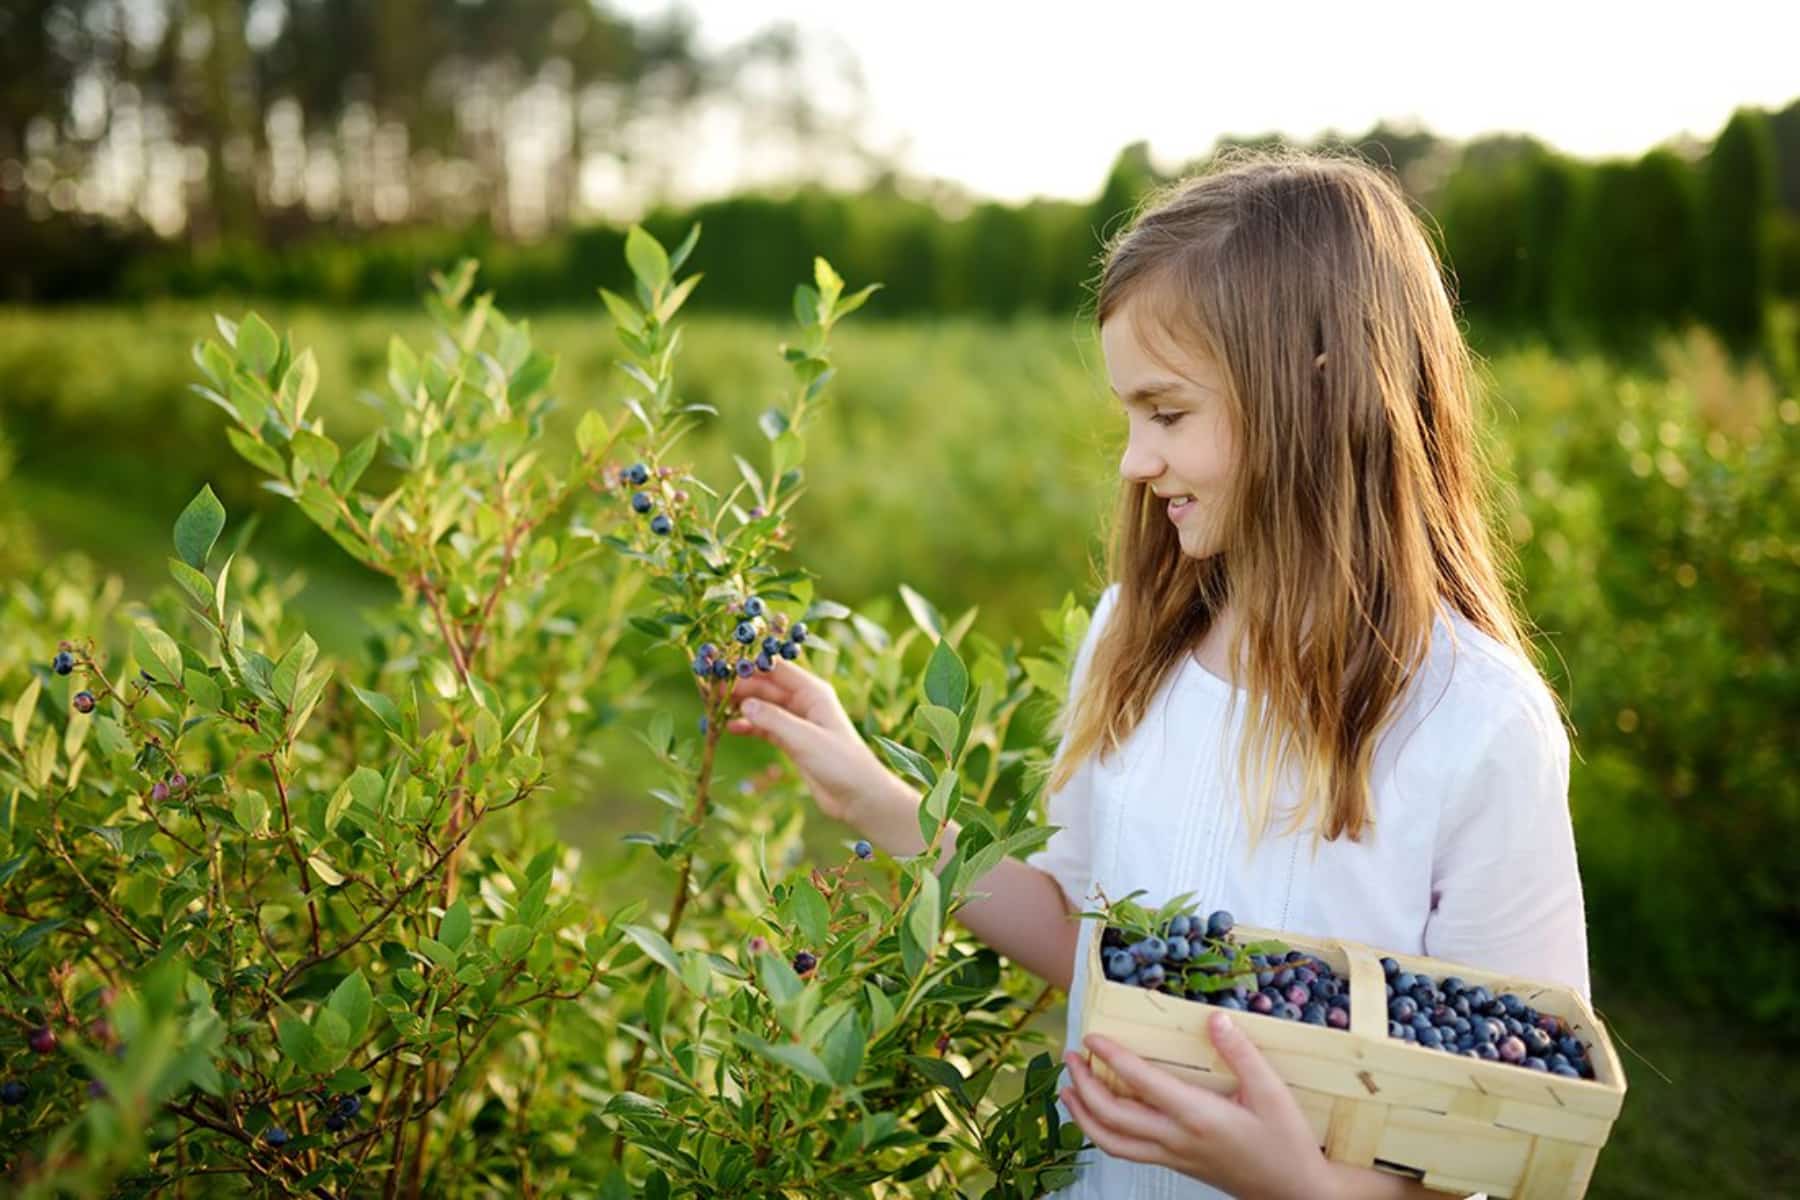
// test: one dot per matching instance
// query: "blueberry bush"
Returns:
(279, 920)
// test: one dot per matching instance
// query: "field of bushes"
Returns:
(1652, 505)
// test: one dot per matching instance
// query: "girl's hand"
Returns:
(1256, 1144)
(799, 714)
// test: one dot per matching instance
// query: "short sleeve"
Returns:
(1505, 888)
(1068, 856)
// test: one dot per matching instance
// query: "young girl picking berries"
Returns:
(1304, 696)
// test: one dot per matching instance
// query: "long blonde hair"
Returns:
(1358, 509)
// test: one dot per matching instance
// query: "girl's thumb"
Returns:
(1254, 1074)
(775, 723)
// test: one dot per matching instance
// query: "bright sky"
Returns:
(1021, 99)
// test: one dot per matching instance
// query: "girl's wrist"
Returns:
(888, 815)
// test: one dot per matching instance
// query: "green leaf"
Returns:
(649, 261)
(348, 471)
(299, 1044)
(257, 454)
(512, 941)
(806, 305)
(655, 945)
(368, 788)
(455, 927)
(940, 725)
(316, 452)
(907, 761)
(351, 1000)
(202, 690)
(531, 378)
(251, 811)
(591, 433)
(198, 587)
(322, 867)
(292, 667)
(403, 370)
(198, 526)
(946, 680)
(382, 707)
(333, 1035)
(154, 648)
(22, 710)
(624, 313)
(794, 1057)
(808, 910)
(922, 918)
(257, 345)
(943, 1074)
(941, 797)
(842, 1052)
(924, 613)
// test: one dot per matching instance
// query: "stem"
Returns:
(287, 836)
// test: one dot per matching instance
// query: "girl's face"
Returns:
(1181, 443)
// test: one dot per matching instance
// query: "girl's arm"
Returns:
(1366, 1183)
(1025, 915)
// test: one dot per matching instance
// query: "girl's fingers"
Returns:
(1115, 1143)
(1125, 1116)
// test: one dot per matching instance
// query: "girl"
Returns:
(1307, 623)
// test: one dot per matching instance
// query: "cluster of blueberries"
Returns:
(1294, 986)
(637, 475)
(711, 661)
(343, 1110)
(1459, 1019)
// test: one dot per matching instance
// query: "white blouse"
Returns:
(1470, 856)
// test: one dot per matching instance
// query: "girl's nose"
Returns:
(1139, 466)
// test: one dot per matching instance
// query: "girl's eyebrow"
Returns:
(1149, 392)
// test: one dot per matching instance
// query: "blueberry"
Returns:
(1533, 1062)
(1295, 956)
(1119, 964)
(1486, 1050)
(641, 502)
(1396, 1030)
(349, 1104)
(703, 666)
(1180, 927)
(703, 724)
(43, 1040)
(708, 650)
(1227, 1000)
(1408, 1034)
(1112, 938)
(1339, 1000)
(275, 1135)
(745, 633)
(753, 607)
(336, 1123)
(764, 663)
(1565, 1069)
(638, 474)
(1452, 984)
(1512, 1050)
(1298, 994)
(1151, 950)
(804, 962)
(1569, 1046)
(1389, 968)
(1313, 1014)
(790, 651)
(661, 525)
(1537, 1041)
(1151, 976)
(1219, 924)
(1287, 1012)
(13, 1092)
(1260, 1003)
(1432, 1038)
(1284, 977)
(1405, 981)
(771, 645)
(1337, 1018)
(745, 668)
(1265, 978)
(721, 669)
(83, 702)
(1402, 1009)
(1179, 950)
(863, 851)
(62, 664)
(798, 632)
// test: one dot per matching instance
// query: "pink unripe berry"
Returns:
(159, 792)
(178, 781)
(681, 496)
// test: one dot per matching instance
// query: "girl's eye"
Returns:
(1167, 419)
